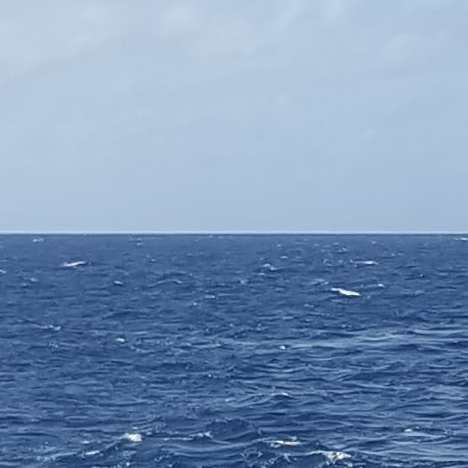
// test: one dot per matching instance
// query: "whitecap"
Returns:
(73, 264)
(202, 435)
(134, 437)
(346, 292)
(269, 267)
(38, 239)
(331, 456)
(281, 394)
(286, 443)
(366, 262)
(118, 283)
(2, 272)
(120, 340)
(91, 453)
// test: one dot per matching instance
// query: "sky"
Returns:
(233, 115)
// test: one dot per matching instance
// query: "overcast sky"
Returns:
(233, 115)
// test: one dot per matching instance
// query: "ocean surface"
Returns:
(233, 351)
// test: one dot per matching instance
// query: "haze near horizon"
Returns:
(198, 115)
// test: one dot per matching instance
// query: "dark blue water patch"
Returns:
(233, 351)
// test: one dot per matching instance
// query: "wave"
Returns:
(331, 456)
(74, 264)
(134, 437)
(346, 292)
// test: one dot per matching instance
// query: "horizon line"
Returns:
(233, 233)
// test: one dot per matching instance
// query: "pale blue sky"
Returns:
(233, 115)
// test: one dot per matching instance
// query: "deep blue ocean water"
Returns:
(233, 351)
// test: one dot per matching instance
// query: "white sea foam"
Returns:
(269, 267)
(286, 443)
(2, 272)
(366, 262)
(202, 435)
(91, 453)
(118, 283)
(73, 264)
(331, 456)
(134, 437)
(120, 340)
(38, 239)
(346, 292)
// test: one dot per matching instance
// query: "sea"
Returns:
(255, 351)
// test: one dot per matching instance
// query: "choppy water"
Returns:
(233, 351)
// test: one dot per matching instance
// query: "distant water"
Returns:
(233, 351)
